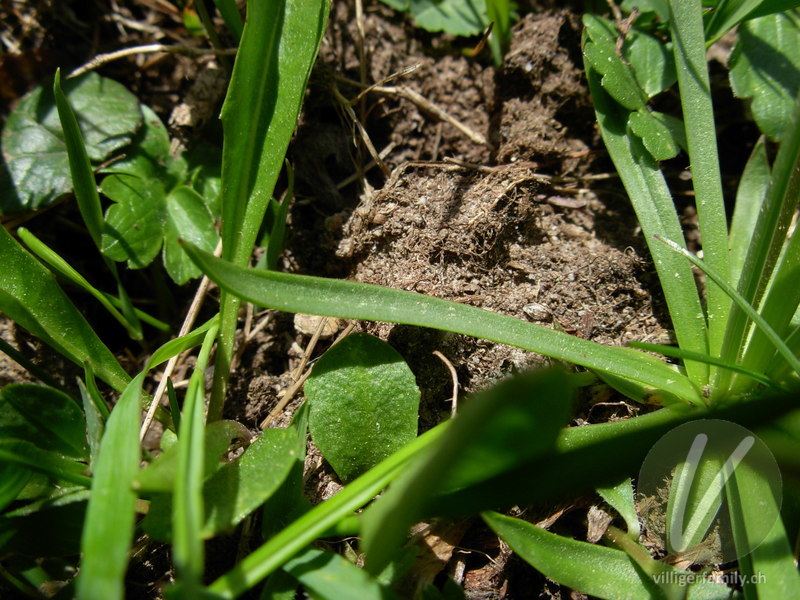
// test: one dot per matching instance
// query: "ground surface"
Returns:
(516, 211)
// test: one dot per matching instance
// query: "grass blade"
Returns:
(329, 576)
(31, 297)
(294, 538)
(480, 443)
(769, 237)
(230, 14)
(686, 25)
(27, 454)
(81, 169)
(351, 300)
(673, 352)
(749, 198)
(768, 570)
(108, 531)
(63, 268)
(278, 47)
(746, 308)
(655, 210)
(187, 507)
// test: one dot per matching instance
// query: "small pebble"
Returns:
(307, 325)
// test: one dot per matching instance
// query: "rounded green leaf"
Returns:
(363, 402)
(765, 67)
(42, 415)
(33, 142)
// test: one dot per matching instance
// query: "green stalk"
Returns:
(278, 47)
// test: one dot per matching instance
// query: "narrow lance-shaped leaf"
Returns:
(278, 47)
(31, 297)
(686, 26)
(516, 420)
(108, 532)
(86, 194)
(352, 300)
(187, 507)
(655, 210)
(595, 570)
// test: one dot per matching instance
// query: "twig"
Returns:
(102, 59)
(454, 377)
(292, 390)
(426, 105)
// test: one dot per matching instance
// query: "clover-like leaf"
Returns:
(765, 67)
(456, 17)
(652, 62)
(662, 135)
(35, 155)
(153, 208)
(617, 77)
(364, 404)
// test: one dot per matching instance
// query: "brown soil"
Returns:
(524, 224)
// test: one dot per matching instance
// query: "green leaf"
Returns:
(278, 47)
(651, 61)
(769, 238)
(765, 67)
(594, 570)
(236, 488)
(655, 210)
(53, 529)
(152, 206)
(769, 570)
(758, 321)
(187, 507)
(52, 464)
(254, 477)
(294, 538)
(617, 77)
(63, 268)
(596, 455)
(110, 516)
(180, 344)
(456, 17)
(328, 576)
(620, 497)
(13, 478)
(31, 297)
(514, 421)
(749, 198)
(657, 137)
(160, 475)
(33, 142)
(230, 14)
(364, 404)
(44, 416)
(686, 27)
(95, 423)
(352, 300)
(729, 13)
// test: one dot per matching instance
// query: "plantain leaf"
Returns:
(48, 418)
(364, 404)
